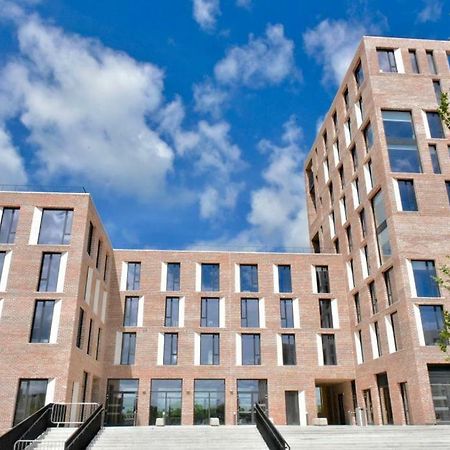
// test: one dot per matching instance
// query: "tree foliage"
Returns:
(444, 336)
(444, 110)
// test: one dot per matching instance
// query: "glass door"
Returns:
(209, 401)
(249, 393)
(165, 401)
(368, 404)
(292, 409)
(121, 402)
(385, 399)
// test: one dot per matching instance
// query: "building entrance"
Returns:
(440, 390)
(166, 401)
(250, 392)
(121, 402)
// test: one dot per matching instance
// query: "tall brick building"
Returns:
(189, 335)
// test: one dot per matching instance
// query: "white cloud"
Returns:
(263, 61)
(244, 3)
(205, 13)
(213, 201)
(332, 43)
(86, 109)
(431, 11)
(209, 98)
(12, 167)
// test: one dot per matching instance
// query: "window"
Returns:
(105, 269)
(368, 136)
(249, 312)
(89, 342)
(341, 176)
(435, 125)
(432, 317)
(56, 226)
(30, 398)
(322, 279)
(127, 356)
(130, 317)
(288, 349)
(379, 214)
(359, 110)
(431, 63)
(287, 313)
(173, 277)
(346, 99)
(437, 90)
(210, 312)
(354, 154)
(251, 349)
(99, 254)
(407, 195)
(209, 349)
(170, 349)
(284, 278)
(434, 159)
(359, 74)
(134, 276)
(376, 330)
(424, 278)
(329, 349)
(356, 193)
(249, 277)
(48, 279)
(373, 297)
(351, 274)
(366, 258)
(334, 117)
(447, 186)
(8, 225)
(99, 340)
(172, 313)
(42, 321)
(326, 314)
(413, 61)
(348, 132)
(336, 245)
(80, 328)
(386, 60)
(209, 401)
(90, 239)
(210, 277)
(348, 232)
(362, 220)
(357, 307)
(401, 142)
(370, 181)
(389, 282)
(395, 324)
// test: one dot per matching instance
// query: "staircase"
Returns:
(179, 438)
(53, 438)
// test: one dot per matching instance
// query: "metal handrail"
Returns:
(71, 413)
(268, 431)
(31, 444)
(83, 435)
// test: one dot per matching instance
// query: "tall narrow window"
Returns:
(348, 232)
(99, 341)
(447, 187)
(389, 282)
(413, 61)
(379, 213)
(173, 277)
(368, 136)
(359, 74)
(42, 321)
(170, 357)
(326, 314)
(209, 349)
(373, 297)
(249, 277)
(249, 312)
(437, 90)
(395, 324)
(99, 254)
(362, 220)
(386, 60)
(425, 278)
(80, 329)
(322, 279)
(134, 276)
(288, 349)
(329, 349)
(357, 307)
(434, 159)
(172, 313)
(405, 402)
(130, 317)
(210, 277)
(346, 99)
(367, 259)
(341, 176)
(56, 226)
(284, 278)
(210, 312)
(354, 154)
(432, 317)
(90, 239)
(105, 269)
(435, 125)
(48, 279)
(251, 349)
(431, 63)
(8, 225)
(287, 313)
(89, 342)
(30, 398)
(407, 195)
(376, 330)
(128, 354)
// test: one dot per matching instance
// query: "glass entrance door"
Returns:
(249, 393)
(165, 401)
(385, 399)
(209, 401)
(121, 402)
(292, 409)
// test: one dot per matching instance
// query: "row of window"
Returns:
(210, 278)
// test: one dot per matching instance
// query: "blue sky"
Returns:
(188, 121)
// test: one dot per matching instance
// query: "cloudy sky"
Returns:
(188, 121)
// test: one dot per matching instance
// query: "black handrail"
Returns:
(83, 435)
(268, 431)
(29, 429)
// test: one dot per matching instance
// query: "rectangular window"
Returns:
(287, 313)
(42, 321)
(209, 349)
(413, 61)
(434, 159)
(322, 279)
(105, 269)
(396, 331)
(99, 341)
(447, 186)
(80, 329)
(8, 225)
(130, 317)
(373, 297)
(134, 276)
(359, 74)
(288, 348)
(405, 402)
(424, 278)
(251, 349)
(389, 282)
(172, 313)
(334, 117)
(170, 349)
(30, 398)
(89, 342)
(376, 330)
(341, 176)
(362, 220)
(367, 260)
(357, 307)
(348, 232)
(432, 317)
(407, 195)
(127, 356)
(210, 312)
(249, 312)
(437, 90)
(173, 277)
(368, 136)
(249, 277)
(346, 99)
(284, 278)
(99, 254)
(401, 142)
(2, 263)
(379, 214)
(354, 154)
(435, 125)
(386, 60)
(326, 313)
(210, 277)
(56, 226)
(48, 279)
(431, 63)
(90, 239)
(329, 349)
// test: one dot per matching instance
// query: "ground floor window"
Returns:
(30, 398)
(250, 392)
(209, 401)
(165, 402)
(440, 390)
(121, 402)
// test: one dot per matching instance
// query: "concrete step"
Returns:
(52, 438)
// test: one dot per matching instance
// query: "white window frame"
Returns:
(88, 292)
(104, 303)
(5, 272)
(399, 60)
(35, 226)
(163, 277)
(55, 322)
(365, 272)
(390, 334)
(96, 296)
(367, 178)
(418, 317)
(342, 211)
(238, 349)
(123, 276)
(319, 350)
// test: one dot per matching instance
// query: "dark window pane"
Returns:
(437, 90)
(413, 60)
(251, 349)
(368, 136)
(99, 254)
(134, 276)
(209, 401)
(329, 349)
(431, 63)
(434, 159)
(249, 312)
(173, 277)
(424, 278)
(389, 282)
(284, 278)
(172, 312)
(30, 398)
(359, 75)
(447, 186)
(373, 297)
(249, 277)
(326, 315)
(287, 313)
(210, 312)
(42, 321)
(209, 349)
(357, 308)
(128, 348)
(435, 125)
(379, 213)
(8, 225)
(48, 280)
(80, 329)
(210, 277)
(170, 349)
(386, 61)
(323, 283)
(90, 238)
(377, 338)
(407, 195)
(432, 322)
(166, 396)
(130, 317)
(396, 331)
(56, 226)
(288, 349)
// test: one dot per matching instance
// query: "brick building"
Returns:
(189, 335)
